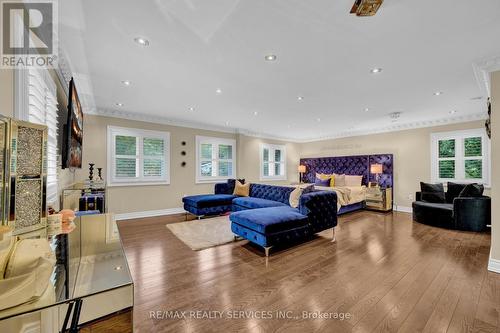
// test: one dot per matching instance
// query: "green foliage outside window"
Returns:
(447, 148)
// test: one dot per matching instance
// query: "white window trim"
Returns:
(272, 147)
(214, 141)
(459, 168)
(139, 181)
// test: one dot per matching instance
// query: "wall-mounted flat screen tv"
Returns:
(72, 151)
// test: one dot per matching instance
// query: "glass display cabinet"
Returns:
(24, 176)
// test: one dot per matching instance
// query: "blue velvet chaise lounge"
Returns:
(265, 217)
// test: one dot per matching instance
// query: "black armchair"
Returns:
(464, 213)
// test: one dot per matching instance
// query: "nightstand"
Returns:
(379, 199)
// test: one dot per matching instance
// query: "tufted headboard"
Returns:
(351, 165)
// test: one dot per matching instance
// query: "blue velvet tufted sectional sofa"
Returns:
(266, 217)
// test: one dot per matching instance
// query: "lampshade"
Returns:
(376, 168)
(301, 168)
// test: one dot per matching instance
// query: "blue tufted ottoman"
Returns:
(270, 226)
(208, 204)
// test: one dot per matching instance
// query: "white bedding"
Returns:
(346, 195)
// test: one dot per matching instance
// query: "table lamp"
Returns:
(302, 170)
(376, 169)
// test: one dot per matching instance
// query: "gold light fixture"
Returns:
(366, 7)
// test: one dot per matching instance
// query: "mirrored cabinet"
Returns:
(24, 176)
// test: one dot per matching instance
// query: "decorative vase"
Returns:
(99, 174)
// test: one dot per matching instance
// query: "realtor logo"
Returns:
(29, 34)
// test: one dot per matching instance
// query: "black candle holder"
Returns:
(91, 171)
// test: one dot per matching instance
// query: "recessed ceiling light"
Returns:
(367, 109)
(376, 70)
(255, 113)
(318, 119)
(453, 111)
(270, 57)
(118, 268)
(126, 83)
(300, 98)
(438, 93)
(141, 41)
(218, 91)
(191, 109)
(119, 104)
(227, 123)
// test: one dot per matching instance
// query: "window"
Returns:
(215, 159)
(461, 156)
(272, 162)
(138, 157)
(36, 102)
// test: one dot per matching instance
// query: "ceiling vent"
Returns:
(366, 7)
(395, 115)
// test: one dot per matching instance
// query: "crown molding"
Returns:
(266, 136)
(482, 71)
(64, 72)
(158, 120)
(402, 127)
(344, 134)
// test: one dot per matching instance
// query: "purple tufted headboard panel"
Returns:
(351, 165)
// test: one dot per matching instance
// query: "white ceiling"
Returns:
(323, 54)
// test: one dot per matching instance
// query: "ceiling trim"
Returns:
(404, 126)
(158, 120)
(344, 134)
(482, 70)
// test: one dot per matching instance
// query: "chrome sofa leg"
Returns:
(334, 239)
(266, 250)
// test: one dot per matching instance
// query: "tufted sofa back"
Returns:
(271, 192)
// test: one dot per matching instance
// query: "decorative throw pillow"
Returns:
(323, 176)
(322, 182)
(453, 191)
(472, 190)
(432, 192)
(242, 190)
(340, 180)
(332, 181)
(231, 184)
(295, 197)
(353, 180)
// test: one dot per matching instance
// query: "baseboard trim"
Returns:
(494, 265)
(149, 213)
(403, 209)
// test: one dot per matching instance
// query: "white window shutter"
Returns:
(37, 103)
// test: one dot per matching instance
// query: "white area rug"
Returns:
(205, 233)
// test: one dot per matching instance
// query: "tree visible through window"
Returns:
(461, 156)
(215, 159)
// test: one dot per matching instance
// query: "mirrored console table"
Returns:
(90, 280)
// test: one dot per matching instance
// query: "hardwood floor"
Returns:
(385, 272)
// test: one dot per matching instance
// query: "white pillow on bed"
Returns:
(339, 180)
(353, 180)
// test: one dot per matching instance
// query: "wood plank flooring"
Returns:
(385, 272)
